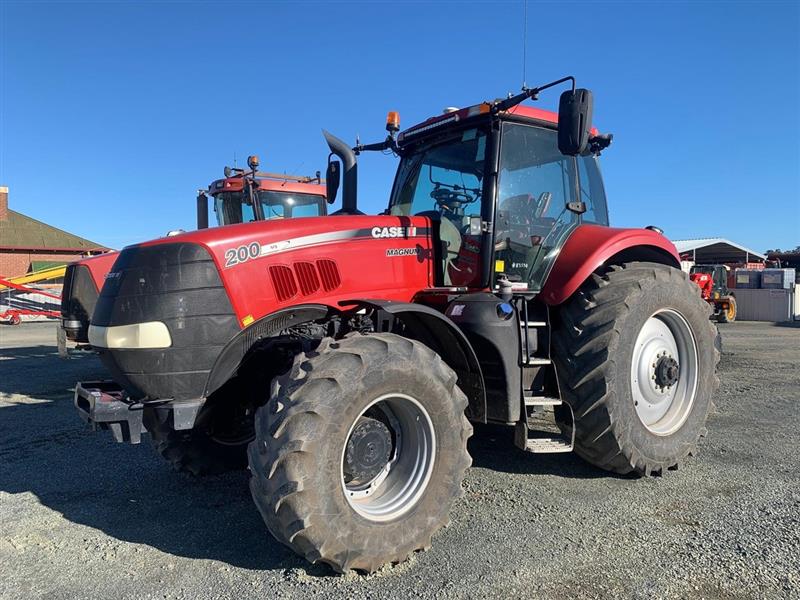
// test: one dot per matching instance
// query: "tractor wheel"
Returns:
(217, 443)
(636, 358)
(728, 315)
(360, 451)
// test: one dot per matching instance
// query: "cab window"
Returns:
(592, 191)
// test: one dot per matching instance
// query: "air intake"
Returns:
(283, 281)
(307, 276)
(329, 273)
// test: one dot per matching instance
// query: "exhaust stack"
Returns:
(350, 178)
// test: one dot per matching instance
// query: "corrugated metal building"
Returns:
(716, 251)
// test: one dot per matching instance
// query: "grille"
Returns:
(307, 276)
(329, 274)
(283, 281)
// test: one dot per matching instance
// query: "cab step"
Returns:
(531, 399)
(548, 445)
(532, 324)
(536, 361)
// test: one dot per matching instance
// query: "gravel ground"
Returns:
(83, 517)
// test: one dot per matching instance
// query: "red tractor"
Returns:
(344, 358)
(713, 283)
(241, 197)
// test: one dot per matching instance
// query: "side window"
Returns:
(721, 277)
(231, 208)
(536, 183)
(592, 192)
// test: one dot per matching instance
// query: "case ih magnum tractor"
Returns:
(343, 358)
(242, 196)
(713, 283)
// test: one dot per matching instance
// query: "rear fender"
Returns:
(592, 246)
(441, 335)
(235, 350)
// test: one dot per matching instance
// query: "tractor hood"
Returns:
(169, 306)
(358, 256)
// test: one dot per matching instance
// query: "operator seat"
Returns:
(450, 236)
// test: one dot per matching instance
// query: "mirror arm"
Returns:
(532, 93)
(388, 144)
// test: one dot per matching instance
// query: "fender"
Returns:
(591, 246)
(441, 335)
(235, 350)
(99, 266)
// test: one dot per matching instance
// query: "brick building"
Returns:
(29, 245)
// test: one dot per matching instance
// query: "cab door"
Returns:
(532, 222)
(535, 186)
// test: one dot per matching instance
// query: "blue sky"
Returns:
(114, 114)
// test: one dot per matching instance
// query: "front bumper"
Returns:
(105, 405)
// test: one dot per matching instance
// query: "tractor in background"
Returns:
(713, 283)
(242, 196)
(343, 359)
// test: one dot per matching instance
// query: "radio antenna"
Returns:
(524, 42)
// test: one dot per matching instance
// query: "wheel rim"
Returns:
(403, 479)
(731, 310)
(232, 425)
(664, 372)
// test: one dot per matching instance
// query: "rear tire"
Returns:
(298, 458)
(611, 331)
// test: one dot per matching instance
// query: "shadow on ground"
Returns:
(130, 494)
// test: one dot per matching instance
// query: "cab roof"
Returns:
(539, 115)
(235, 184)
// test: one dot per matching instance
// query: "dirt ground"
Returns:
(84, 517)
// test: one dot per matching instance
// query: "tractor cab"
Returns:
(537, 198)
(713, 280)
(247, 196)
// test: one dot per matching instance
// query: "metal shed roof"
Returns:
(716, 250)
(21, 232)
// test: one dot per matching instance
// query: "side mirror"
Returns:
(574, 121)
(332, 175)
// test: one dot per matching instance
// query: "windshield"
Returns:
(444, 181)
(446, 177)
(232, 207)
(285, 205)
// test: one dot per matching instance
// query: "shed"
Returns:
(716, 251)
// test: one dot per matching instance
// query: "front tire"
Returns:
(218, 441)
(636, 360)
(360, 451)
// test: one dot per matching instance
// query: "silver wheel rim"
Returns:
(401, 483)
(663, 408)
